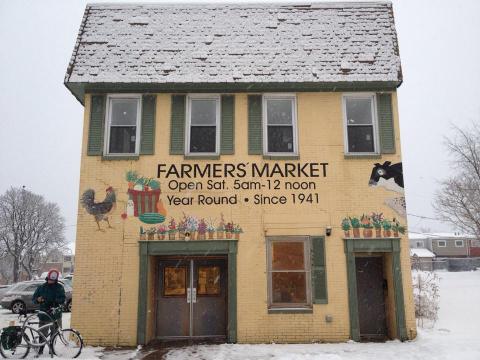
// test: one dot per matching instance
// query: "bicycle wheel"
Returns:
(20, 351)
(67, 343)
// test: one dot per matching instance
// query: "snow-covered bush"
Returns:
(426, 296)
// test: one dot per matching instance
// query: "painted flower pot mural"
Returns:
(229, 230)
(387, 228)
(367, 226)
(211, 229)
(202, 229)
(377, 219)
(221, 228)
(397, 228)
(191, 226)
(172, 229)
(143, 234)
(346, 227)
(181, 230)
(151, 233)
(161, 232)
(355, 226)
(237, 230)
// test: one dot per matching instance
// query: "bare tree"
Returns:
(426, 295)
(458, 200)
(29, 227)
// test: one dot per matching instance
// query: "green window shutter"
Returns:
(255, 128)
(147, 140)
(385, 123)
(227, 141)
(177, 125)
(96, 126)
(319, 273)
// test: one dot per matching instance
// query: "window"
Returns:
(203, 125)
(458, 243)
(280, 125)
(441, 243)
(289, 272)
(67, 258)
(360, 124)
(419, 244)
(123, 123)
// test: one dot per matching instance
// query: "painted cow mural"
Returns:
(390, 177)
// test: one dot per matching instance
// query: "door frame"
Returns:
(227, 248)
(190, 260)
(375, 245)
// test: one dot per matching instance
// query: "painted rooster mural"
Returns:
(99, 210)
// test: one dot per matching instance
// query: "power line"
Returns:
(424, 217)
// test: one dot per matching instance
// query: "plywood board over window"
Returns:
(289, 284)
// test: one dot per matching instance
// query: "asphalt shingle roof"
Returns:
(228, 43)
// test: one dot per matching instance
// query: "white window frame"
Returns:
(376, 137)
(281, 96)
(308, 271)
(188, 122)
(444, 242)
(463, 245)
(108, 122)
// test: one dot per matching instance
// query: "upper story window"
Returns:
(280, 124)
(442, 243)
(123, 124)
(289, 283)
(419, 244)
(361, 135)
(458, 243)
(203, 125)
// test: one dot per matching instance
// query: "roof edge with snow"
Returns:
(322, 46)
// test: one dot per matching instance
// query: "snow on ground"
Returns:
(88, 352)
(455, 336)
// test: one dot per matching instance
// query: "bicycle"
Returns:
(16, 344)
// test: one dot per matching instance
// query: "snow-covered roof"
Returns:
(420, 236)
(422, 253)
(416, 236)
(236, 43)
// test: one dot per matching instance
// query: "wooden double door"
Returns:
(192, 298)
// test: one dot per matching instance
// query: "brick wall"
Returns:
(107, 261)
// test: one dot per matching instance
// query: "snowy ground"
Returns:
(455, 336)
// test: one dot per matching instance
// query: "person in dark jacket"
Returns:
(49, 295)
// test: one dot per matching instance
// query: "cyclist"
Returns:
(49, 295)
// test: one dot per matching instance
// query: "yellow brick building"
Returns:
(240, 180)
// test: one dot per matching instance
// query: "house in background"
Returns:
(58, 260)
(446, 244)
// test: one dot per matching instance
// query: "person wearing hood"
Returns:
(49, 295)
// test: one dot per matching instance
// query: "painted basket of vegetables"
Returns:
(144, 201)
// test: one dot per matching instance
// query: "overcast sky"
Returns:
(41, 122)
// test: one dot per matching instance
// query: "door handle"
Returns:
(194, 295)
(189, 296)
